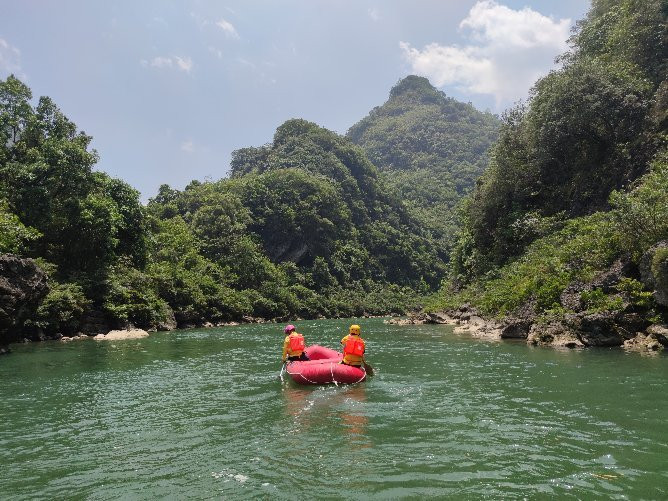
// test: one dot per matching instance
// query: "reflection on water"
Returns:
(345, 405)
(354, 416)
(296, 401)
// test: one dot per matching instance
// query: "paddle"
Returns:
(368, 368)
(280, 375)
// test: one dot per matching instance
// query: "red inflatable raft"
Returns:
(324, 368)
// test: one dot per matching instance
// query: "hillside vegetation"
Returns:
(578, 180)
(430, 148)
(303, 227)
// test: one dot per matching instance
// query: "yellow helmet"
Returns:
(354, 329)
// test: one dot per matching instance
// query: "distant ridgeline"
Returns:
(430, 148)
(577, 182)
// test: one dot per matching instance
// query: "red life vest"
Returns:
(354, 346)
(297, 342)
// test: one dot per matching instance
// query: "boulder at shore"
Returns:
(122, 334)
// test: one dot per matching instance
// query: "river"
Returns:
(202, 414)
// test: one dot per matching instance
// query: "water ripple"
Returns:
(201, 414)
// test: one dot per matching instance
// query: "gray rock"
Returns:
(400, 321)
(658, 330)
(628, 324)
(654, 271)
(595, 329)
(437, 318)
(570, 297)
(118, 335)
(555, 334)
(23, 285)
(476, 321)
(646, 342)
(606, 281)
(515, 328)
(168, 322)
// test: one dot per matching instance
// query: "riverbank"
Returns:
(580, 330)
(130, 332)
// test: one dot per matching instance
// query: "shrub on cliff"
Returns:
(62, 309)
(583, 248)
(589, 128)
(15, 237)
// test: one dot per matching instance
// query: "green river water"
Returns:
(201, 414)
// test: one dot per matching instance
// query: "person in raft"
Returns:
(353, 347)
(293, 346)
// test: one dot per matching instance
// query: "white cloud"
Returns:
(374, 14)
(159, 22)
(510, 50)
(162, 62)
(188, 146)
(10, 59)
(183, 63)
(246, 62)
(447, 65)
(216, 52)
(497, 24)
(172, 62)
(228, 28)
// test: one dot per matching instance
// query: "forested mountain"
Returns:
(318, 224)
(347, 215)
(431, 148)
(578, 179)
(303, 227)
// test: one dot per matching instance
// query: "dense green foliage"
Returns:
(578, 176)
(55, 208)
(430, 148)
(589, 128)
(304, 227)
(359, 225)
(584, 247)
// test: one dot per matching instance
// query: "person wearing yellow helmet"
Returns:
(353, 347)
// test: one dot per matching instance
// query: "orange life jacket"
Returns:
(354, 346)
(297, 342)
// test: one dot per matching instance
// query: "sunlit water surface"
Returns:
(202, 414)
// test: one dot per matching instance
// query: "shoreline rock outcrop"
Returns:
(118, 335)
(579, 330)
(23, 285)
(654, 272)
(610, 310)
(654, 339)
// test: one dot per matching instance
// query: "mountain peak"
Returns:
(415, 87)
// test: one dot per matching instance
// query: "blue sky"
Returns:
(168, 89)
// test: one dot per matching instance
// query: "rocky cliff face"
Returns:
(22, 286)
(654, 271)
